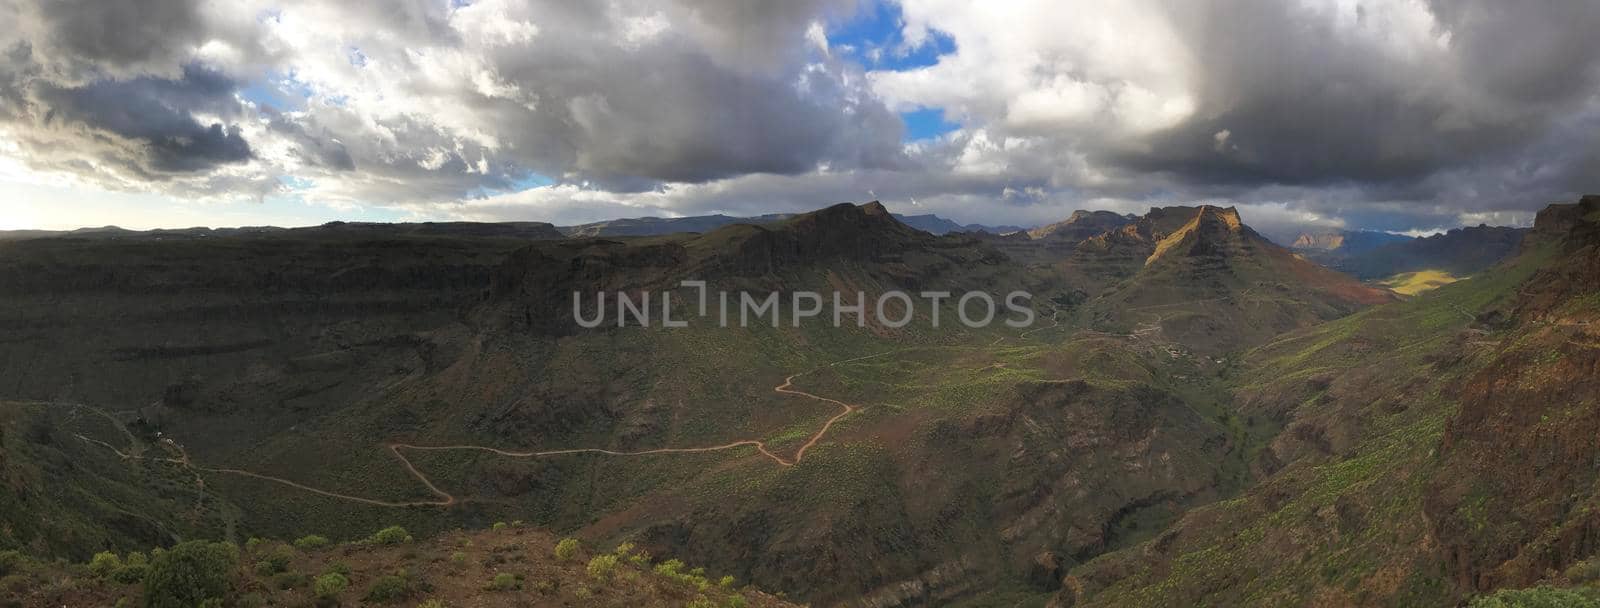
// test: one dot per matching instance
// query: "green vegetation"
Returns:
(1539, 597)
(311, 542)
(392, 535)
(104, 564)
(567, 549)
(1413, 283)
(275, 560)
(389, 588)
(505, 581)
(330, 585)
(601, 567)
(190, 574)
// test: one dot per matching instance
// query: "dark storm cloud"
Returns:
(146, 126)
(1288, 96)
(75, 38)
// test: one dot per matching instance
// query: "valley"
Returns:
(1191, 398)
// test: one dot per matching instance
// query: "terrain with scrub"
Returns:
(1196, 416)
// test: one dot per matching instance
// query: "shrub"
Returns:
(388, 588)
(330, 585)
(1585, 572)
(737, 601)
(624, 549)
(1539, 597)
(458, 557)
(190, 574)
(505, 581)
(602, 566)
(252, 600)
(392, 535)
(701, 602)
(12, 562)
(499, 525)
(311, 542)
(432, 604)
(338, 567)
(275, 561)
(726, 582)
(104, 564)
(289, 580)
(252, 542)
(567, 549)
(131, 572)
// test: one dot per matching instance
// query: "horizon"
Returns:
(300, 113)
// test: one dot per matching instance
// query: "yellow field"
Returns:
(1413, 283)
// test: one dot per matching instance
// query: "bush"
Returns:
(567, 549)
(458, 558)
(392, 535)
(602, 566)
(388, 588)
(330, 585)
(432, 604)
(104, 564)
(1539, 597)
(252, 542)
(131, 572)
(275, 561)
(505, 581)
(726, 582)
(499, 525)
(289, 580)
(737, 601)
(189, 575)
(1585, 572)
(338, 568)
(311, 542)
(12, 562)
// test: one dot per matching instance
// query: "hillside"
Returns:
(352, 379)
(510, 565)
(1460, 252)
(1389, 481)
(1211, 282)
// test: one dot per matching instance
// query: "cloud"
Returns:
(1414, 113)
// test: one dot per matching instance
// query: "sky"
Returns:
(1400, 115)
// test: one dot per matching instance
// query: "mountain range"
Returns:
(1196, 416)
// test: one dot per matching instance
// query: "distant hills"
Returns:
(652, 226)
(1375, 255)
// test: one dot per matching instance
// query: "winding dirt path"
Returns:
(445, 499)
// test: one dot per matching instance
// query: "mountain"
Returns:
(1082, 225)
(1188, 394)
(1215, 284)
(1460, 252)
(513, 230)
(1382, 469)
(656, 226)
(1335, 247)
(934, 224)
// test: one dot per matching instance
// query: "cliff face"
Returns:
(1517, 495)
